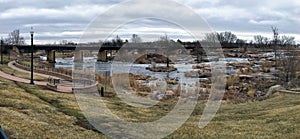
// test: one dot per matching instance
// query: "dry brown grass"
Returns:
(33, 112)
(233, 80)
(266, 66)
(251, 92)
(273, 118)
(10, 71)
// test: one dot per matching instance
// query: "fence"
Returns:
(79, 79)
(64, 74)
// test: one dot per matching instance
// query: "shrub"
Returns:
(232, 81)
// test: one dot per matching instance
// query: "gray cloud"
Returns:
(55, 20)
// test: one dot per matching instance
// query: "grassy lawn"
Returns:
(35, 112)
(277, 117)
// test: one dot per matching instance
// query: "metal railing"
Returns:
(46, 70)
(78, 78)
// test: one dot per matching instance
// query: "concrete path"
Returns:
(12, 66)
(289, 92)
(22, 80)
(64, 87)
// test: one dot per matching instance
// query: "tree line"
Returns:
(227, 37)
(14, 38)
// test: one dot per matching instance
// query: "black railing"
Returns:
(57, 72)
(80, 78)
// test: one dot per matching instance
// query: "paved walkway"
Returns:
(17, 79)
(12, 66)
(66, 86)
(289, 92)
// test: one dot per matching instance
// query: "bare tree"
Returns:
(287, 57)
(66, 42)
(258, 39)
(287, 40)
(164, 38)
(211, 40)
(15, 38)
(223, 37)
(240, 41)
(261, 40)
(288, 61)
(211, 37)
(136, 39)
(266, 41)
(227, 37)
(275, 42)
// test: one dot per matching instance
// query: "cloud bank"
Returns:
(55, 20)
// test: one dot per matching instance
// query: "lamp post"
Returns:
(1, 51)
(31, 79)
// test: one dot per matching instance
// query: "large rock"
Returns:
(170, 93)
(274, 89)
(245, 76)
(202, 66)
(198, 74)
(161, 69)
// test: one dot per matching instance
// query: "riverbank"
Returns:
(36, 112)
(13, 73)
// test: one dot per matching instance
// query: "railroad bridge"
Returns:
(104, 50)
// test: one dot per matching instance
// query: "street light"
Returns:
(31, 79)
(1, 51)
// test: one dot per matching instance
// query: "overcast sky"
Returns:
(55, 20)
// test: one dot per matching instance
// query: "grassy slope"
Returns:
(277, 117)
(8, 70)
(4, 68)
(34, 112)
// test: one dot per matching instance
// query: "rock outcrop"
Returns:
(273, 90)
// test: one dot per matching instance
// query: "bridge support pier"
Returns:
(78, 60)
(102, 56)
(51, 58)
(78, 66)
(78, 56)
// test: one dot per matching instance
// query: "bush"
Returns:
(232, 81)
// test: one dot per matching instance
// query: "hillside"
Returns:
(34, 112)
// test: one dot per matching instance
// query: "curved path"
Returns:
(65, 87)
(12, 66)
(17, 79)
(289, 92)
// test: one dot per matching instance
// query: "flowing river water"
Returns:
(91, 64)
(182, 64)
